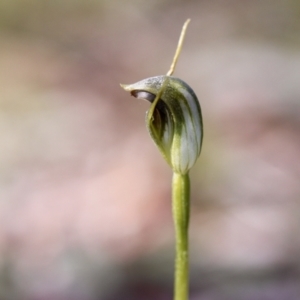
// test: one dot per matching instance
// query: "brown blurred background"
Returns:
(85, 196)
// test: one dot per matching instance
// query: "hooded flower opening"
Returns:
(176, 123)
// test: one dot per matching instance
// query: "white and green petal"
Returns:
(174, 121)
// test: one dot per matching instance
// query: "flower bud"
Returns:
(174, 119)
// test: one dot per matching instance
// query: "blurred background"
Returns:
(85, 208)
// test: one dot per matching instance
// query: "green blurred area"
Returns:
(85, 208)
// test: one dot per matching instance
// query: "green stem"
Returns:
(181, 210)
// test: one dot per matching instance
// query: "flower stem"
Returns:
(181, 211)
